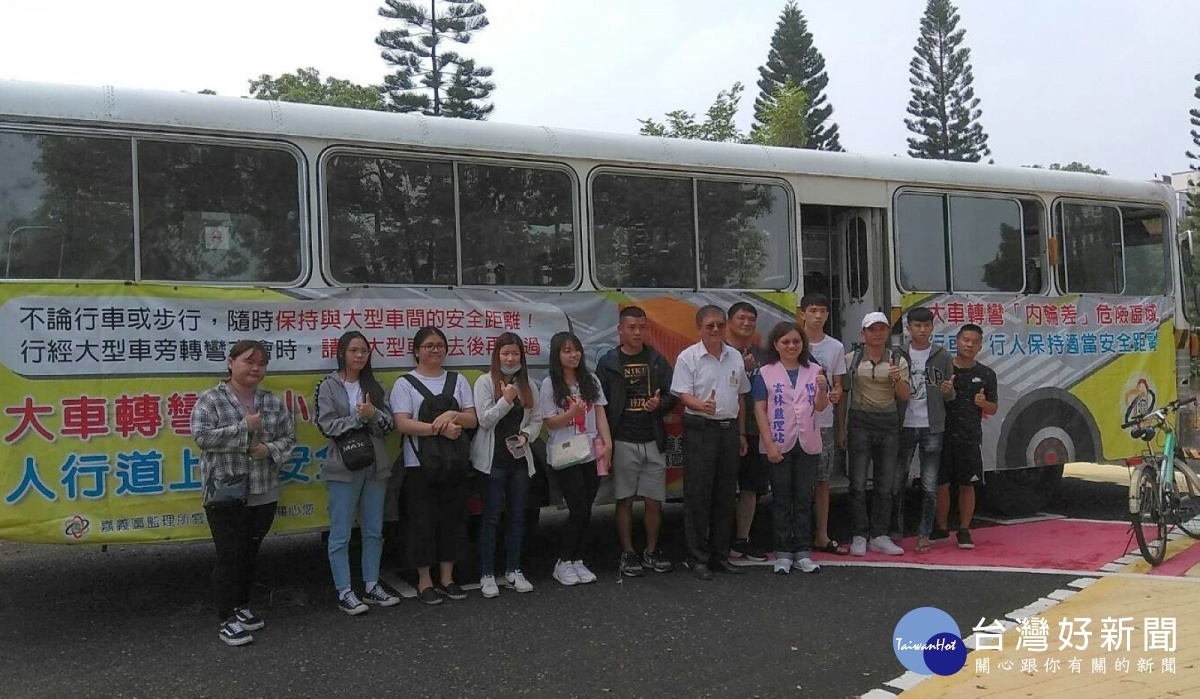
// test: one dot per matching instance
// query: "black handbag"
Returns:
(230, 491)
(356, 448)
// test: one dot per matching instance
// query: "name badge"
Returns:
(734, 381)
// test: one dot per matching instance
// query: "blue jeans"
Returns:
(930, 444)
(366, 494)
(792, 483)
(869, 447)
(507, 486)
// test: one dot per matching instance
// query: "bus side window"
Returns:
(218, 213)
(1147, 259)
(66, 207)
(1092, 257)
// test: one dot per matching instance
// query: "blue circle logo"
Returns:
(927, 641)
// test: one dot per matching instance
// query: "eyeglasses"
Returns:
(439, 347)
(714, 326)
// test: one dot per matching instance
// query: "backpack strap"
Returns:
(450, 385)
(421, 388)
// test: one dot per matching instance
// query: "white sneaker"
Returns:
(883, 544)
(516, 580)
(858, 547)
(783, 566)
(565, 573)
(487, 585)
(581, 571)
(808, 565)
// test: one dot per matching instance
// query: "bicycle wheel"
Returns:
(1186, 498)
(1149, 524)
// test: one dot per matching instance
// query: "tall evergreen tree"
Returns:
(944, 107)
(429, 78)
(794, 57)
(1195, 119)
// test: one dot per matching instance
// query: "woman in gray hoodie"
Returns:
(348, 400)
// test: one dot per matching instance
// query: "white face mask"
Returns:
(510, 371)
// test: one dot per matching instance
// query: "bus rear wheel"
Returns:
(1046, 435)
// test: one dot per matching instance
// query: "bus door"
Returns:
(863, 278)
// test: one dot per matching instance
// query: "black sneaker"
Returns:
(429, 596)
(247, 619)
(964, 539)
(453, 591)
(742, 548)
(939, 534)
(656, 561)
(349, 603)
(630, 565)
(233, 633)
(700, 571)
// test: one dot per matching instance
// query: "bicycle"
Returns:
(1157, 498)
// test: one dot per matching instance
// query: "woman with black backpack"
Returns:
(352, 412)
(435, 408)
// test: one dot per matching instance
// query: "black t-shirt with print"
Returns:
(964, 420)
(635, 425)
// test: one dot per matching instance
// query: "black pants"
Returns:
(710, 462)
(437, 518)
(579, 484)
(237, 534)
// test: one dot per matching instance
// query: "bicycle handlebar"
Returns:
(1161, 413)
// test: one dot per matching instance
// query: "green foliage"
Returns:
(944, 107)
(428, 77)
(718, 124)
(1073, 166)
(1194, 199)
(784, 121)
(305, 85)
(793, 57)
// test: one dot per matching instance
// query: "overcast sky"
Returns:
(1106, 82)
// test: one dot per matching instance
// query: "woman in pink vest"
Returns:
(788, 393)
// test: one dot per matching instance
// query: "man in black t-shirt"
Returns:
(754, 473)
(637, 383)
(962, 461)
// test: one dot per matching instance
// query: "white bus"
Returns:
(144, 231)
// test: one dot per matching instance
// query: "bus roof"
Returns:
(197, 113)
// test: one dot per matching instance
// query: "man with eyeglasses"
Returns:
(710, 378)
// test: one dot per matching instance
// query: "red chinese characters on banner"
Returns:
(84, 417)
(179, 410)
(29, 414)
(141, 414)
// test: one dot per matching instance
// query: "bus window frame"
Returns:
(695, 176)
(304, 240)
(948, 237)
(453, 159)
(1063, 283)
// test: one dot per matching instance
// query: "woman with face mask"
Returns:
(510, 417)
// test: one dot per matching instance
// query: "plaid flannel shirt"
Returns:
(220, 430)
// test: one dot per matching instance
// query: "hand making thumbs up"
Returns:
(710, 405)
(654, 401)
(980, 401)
(365, 409)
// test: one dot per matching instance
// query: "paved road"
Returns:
(134, 621)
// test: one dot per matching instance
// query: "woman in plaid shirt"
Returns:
(241, 428)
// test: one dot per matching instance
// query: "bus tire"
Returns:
(1035, 449)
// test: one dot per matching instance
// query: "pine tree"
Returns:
(944, 106)
(429, 78)
(1195, 119)
(794, 57)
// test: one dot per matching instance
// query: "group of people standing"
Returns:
(753, 417)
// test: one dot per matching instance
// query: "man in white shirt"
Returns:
(710, 378)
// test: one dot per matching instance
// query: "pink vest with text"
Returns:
(791, 413)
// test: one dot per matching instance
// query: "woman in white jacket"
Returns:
(507, 403)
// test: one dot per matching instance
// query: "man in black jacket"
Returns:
(637, 381)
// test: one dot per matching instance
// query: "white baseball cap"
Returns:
(875, 317)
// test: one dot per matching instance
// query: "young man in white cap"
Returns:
(869, 426)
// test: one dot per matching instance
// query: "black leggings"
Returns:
(237, 534)
(579, 484)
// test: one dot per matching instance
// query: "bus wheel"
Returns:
(1047, 434)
